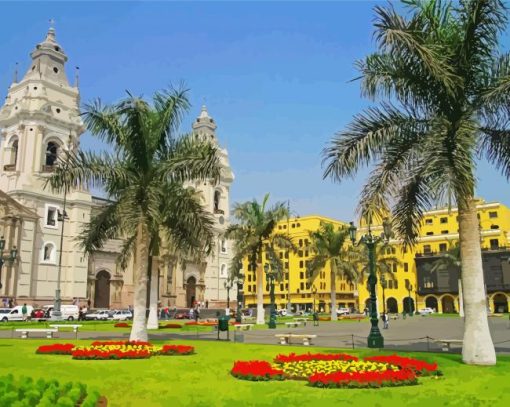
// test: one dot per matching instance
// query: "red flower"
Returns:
(56, 349)
(102, 343)
(172, 326)
(256, 370)
(121, 325)
(418, 366)
(177, 350)
(363, 379)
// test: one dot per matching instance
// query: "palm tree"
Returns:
(254, 235)
(144, 179)
(329, 246)
(445, 94)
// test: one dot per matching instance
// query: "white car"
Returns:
(68, 312)
(100, 315)
(425, 311)
(343, 311)
(122, 315)
(15, 313)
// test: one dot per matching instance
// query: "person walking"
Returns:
(197, 313)
(385, 321)
(24, 311)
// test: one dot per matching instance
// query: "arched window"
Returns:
(223, 246)
(14, 152)
(217, 197)
(48, 253)
(223, 270)
(51, 153)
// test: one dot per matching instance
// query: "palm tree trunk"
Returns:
(477, 348)
(152, 322)
(139, 328)
(333, 293)
(260, 297)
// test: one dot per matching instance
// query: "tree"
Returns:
(445, 97)
(329, 247)
(144, 179)
(253, 235)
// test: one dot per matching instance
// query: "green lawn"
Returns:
(204, 380)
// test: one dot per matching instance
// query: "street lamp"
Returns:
(228, 285)
(62, 216)
(11, 258)
(239, 282)
(375, 339)
(410, 308)
(270, 276)
(314, 293)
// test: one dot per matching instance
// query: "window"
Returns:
(395, 284)
(301, 264)
(493, 215)
(444, 232)
(300, 253)
(48, 253)
(223, 246)
(287, 254)
(390, 283)
(281, 255)
(302, 286)
(428, 221)
(494, 244)
(300, 242)
(494, 227)
(249, 278)
(223, 270)
(394, 267)
(426, 248)
(442, 247)
(306, 253)
(302, 274)
(14, 152)
(51, 154)
(430, 233)
(287, 265)
(51, 216)
(443, 220)
(216, 204)
(281, 286)
(427, 282)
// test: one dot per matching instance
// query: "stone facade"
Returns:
(39, 120)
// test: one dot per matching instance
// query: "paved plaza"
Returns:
(411, 334)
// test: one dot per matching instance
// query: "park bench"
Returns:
(294, 324)
(249, 319)
(62, 326)
(394, 316)
(285, 339)
(446, 343)
(25, 331)
(243, 327)
(303, 320)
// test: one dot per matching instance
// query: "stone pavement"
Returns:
(413, 334)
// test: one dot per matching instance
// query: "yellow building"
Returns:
(413, 281)
(301, 292)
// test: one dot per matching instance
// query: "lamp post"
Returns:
(375, 339)
(314, 293)
(57, 314)
(228, 285)
(410, 308)
(11, 258)
(239, 282)
(270, 276)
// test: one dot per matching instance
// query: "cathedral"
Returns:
(38, 122)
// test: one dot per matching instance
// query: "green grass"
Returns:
(204, 380)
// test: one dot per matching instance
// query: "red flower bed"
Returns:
(420, 367)
(105, 343)
(292, 357)
(121, 325)
(191, 323)
(256, 370)
(176, 326)
(111, 354)
(404, 377)
(171, 350)
(56, 349)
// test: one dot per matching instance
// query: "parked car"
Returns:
(15, 313)
(182, 315)
(69, 312)
(121, 315)
(343, 311)
(4, 311)
(39, 314)
(99, 315)
(425, 311)
(282, 312)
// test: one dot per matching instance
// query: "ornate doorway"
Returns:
(500, 303)
(191, 291)
(431, 302)
(392, 305)
(448, 304)
(102, 290)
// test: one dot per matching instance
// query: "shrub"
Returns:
(171, 326)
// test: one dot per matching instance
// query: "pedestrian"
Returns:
(191, 313)
(197, 313)
(206, 304)
(24, 311)
(6, 302)
(385, 318)
(80, 314)
(88, 303)
(11, 303)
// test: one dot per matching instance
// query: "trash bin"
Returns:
(223, 323)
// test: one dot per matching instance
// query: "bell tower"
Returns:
(39, 120)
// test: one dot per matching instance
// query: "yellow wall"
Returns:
(300, 291)
(439, 228)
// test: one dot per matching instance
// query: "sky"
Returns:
(275, 76)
